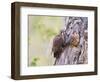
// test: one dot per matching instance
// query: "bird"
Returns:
(58, 45)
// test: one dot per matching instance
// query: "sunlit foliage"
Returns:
(42, 30)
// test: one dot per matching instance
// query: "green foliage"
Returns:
(42, 30)
(41, 60)
(46, 26)
(34, 61)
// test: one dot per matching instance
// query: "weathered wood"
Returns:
(75, 40)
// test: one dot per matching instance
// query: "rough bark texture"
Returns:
(71, 46)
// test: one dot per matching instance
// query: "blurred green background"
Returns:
(42, 30)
